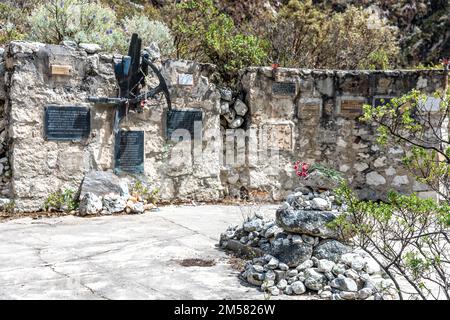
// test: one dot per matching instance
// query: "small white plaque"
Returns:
(185, 79)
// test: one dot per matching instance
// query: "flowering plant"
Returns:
(301, 168)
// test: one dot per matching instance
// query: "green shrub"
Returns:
(149, 31)
(408, 237)
(150, 195)
(12, 22)
(203, 33)
(61, 201)
(77, 20)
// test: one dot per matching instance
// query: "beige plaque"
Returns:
(60, 70)
(308, 111)
(351, 108)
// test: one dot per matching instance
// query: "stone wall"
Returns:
(313, 115)
(41, 167)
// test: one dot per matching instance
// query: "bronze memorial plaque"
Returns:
(67, 122)
(351, 108)
(284, 88)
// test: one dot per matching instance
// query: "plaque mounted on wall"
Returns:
(182, 119)
(67, 122)
(284, 88)
(129, 152)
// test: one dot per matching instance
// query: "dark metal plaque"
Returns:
(283, 88)
(182, 119)
(67, 122)
(129, 152)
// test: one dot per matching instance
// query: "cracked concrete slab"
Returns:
(123, 257)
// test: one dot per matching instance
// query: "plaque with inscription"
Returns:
(67, 122)
(283, 88)
(309, 110)
(351, 108)
(183, 119)
(129, 152)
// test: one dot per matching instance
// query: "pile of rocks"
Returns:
(298, 252)
(102, 192)
(232, 112)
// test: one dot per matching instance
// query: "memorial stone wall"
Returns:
(51, 136)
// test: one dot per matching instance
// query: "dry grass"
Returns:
(195, 262)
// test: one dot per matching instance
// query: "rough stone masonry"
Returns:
(312, 112)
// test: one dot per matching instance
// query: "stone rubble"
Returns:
(299, 253)
(232, 111)
(102, 192)
(5, 169)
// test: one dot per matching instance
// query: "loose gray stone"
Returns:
(364, 293)
(284, 267)
(114, 203)
(331, 250)
(273, 263)
(325, 265)
(348, 295)
(253, 225)
(240, 108)
(102, 183)
(314, 280)
(226, 94)
(305, 265)
(320, 204)
(90, 47)
(313, 223)
(137, 208)
(237, 122)
(298, 287)
(90, 204)
(291, 253)
(282, 284)
(344, 284)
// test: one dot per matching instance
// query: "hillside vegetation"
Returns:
(338, 34)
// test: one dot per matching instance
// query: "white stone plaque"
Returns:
(186, 79)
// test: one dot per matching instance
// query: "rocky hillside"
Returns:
(423, 26)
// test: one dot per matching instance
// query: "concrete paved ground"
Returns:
(122, 257)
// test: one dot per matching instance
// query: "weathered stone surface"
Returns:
(90, 47)
(90, 204)
(291, 253)
(114, 203)
(344, 284)
(308, 222)
(101, 183)
(317, 180)
(331, 250)
(240, 108)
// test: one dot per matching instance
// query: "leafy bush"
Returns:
(149, 31)
(146, 193)
(11, 23)
(205, 34)
(407, 236)
(406, 122)
(61, 201)
(77, 20)
(303, 35)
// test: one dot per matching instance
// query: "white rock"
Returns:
(375, 179)
(361, 166)
(325, 265)
(237, 122)
(224, 107)
(364, 293)
(305, 265)
(90, 204)
(240, 108)
(90, 47)
(321, 204)
(283, 266)
(282, 284)
(380, 162)
(371, 266)
(325, 294)
(298, 287)
(273, 263)
(400, 180)
(358, 263)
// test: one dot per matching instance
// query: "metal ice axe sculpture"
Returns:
(130, 74)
